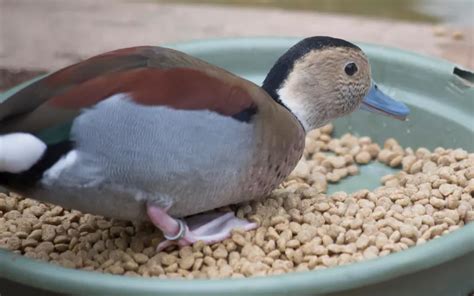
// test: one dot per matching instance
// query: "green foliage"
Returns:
(393, 9)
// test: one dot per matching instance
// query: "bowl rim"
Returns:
(47, 276)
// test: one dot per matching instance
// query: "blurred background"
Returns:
(37, 36)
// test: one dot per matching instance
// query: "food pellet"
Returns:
(301, 227)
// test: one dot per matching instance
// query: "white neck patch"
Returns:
(19, 152)
(297, 109)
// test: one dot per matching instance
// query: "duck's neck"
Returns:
(275, 80)
(272, 90)
(280, 98)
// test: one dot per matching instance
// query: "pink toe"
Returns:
(210, 228)
(163, 245)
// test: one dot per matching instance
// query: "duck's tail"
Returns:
(19, 152)
(24, 159)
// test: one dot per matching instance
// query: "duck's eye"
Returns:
(350, 69)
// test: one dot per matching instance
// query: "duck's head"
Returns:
(322, 78)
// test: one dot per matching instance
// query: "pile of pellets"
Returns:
(301, 228)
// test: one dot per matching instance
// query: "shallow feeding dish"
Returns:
(441, 98)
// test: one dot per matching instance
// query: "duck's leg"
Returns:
(209, 227)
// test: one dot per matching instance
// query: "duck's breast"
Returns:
(279, 144)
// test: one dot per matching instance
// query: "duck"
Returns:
(153, 134)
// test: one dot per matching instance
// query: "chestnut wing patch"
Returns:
(60, 82)
(179, 88)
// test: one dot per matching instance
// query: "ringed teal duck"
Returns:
(153, 133)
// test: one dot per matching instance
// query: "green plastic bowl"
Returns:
(442, 103)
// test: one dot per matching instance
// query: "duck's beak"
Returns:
(378, 102)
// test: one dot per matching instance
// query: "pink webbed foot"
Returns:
(209, 227)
